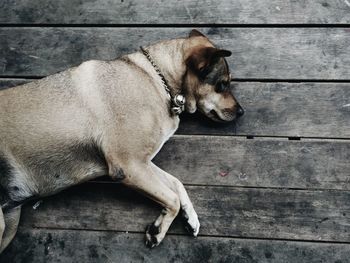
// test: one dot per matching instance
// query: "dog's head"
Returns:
(207, 80)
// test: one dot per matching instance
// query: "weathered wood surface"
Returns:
(277, 109)
(284, 109)
(258, 53)
(9, 83)
(232, 161)
(223, 211)
(174, 12)
(49, 245)
(242, 189)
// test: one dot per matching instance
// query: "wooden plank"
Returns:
(223, 211)
(207, 160)
(174, 12)
(284, 109)
(9, 83)
(266, 53)
(48, 245)
(277, 109)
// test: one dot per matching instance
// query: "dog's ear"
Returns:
(196, 33)
(223, 53)
(202, 58)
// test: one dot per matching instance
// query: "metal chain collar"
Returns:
(178, 101)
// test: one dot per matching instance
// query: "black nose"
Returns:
(239, 111)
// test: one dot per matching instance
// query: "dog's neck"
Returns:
(169, 57)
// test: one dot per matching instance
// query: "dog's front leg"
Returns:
(188, 211)
(140, 176)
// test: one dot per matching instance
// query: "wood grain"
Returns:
(6, 83)
(229, 161)
(284, 109)
(223, 211)
(258, 200)
(49, 245)
(276, 109)
(258, 53)
(174, 12)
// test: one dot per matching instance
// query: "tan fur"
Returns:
(118, 109)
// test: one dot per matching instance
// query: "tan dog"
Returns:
(109, 117)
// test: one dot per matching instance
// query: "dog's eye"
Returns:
(222, 86)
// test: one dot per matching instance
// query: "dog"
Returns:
(110, 117)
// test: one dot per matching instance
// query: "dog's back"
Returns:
(45, 145)
(50, 129)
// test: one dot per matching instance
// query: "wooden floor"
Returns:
(275, 187)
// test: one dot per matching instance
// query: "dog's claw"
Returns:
(192, 230)
(192, 224)
(149, 244)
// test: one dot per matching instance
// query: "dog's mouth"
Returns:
(225, 116)
(215, 116)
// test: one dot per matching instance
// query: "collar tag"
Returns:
(178, 104)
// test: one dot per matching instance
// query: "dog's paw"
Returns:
(152, 235)
(192, 223)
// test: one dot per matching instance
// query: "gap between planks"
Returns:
(265, 137)
(179, 234)
(109, 181)
(200, 25)
(258, 80)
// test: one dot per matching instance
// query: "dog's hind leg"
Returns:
(188, 211)
(141, 177)
(10, 220)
